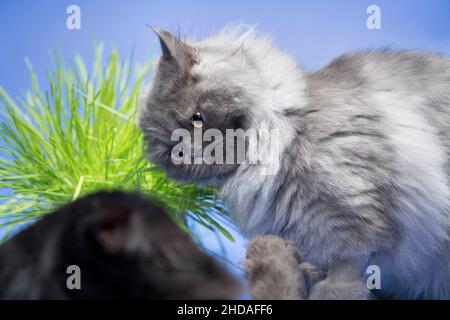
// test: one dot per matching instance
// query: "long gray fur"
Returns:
(364, 164)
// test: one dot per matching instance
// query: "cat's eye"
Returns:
(197, 120)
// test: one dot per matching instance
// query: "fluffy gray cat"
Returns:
(364, 151)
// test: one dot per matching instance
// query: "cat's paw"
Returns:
(272, 279)
(262, 247)
(340, 290)
(273, 269)
(311, 274)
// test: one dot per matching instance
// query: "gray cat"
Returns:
(364, 151)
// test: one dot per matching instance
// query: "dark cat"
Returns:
(125, 247)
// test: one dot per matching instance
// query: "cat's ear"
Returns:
(175, 49)
(122, 231)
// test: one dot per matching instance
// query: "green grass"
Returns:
(80, 135)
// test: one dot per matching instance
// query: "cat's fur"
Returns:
(364, 162)
(125, 246)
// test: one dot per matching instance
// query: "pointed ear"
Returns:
(174, 48)
(121, 231)
(166, 40)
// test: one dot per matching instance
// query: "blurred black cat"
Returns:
(125, 246)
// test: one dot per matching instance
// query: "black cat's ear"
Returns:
(122, 231)
(174, 49)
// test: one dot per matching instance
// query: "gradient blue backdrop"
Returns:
(313, 31)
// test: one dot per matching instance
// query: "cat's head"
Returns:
(128, 247)
(229, 81)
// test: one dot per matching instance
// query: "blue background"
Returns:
(313, 31)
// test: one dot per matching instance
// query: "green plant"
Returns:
(81, 136)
